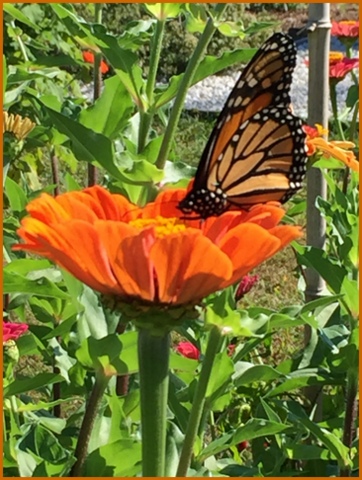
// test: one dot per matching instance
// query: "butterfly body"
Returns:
(256, 152)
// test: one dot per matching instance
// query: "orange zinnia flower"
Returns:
(150, 255)
(339, 150)
(89, 58)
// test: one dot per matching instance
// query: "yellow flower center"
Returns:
(163, 226)
(348, 22)
(335, 57)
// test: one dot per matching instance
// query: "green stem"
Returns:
(20, 42)
(155, 58)
(349, 429)
(145, 123)
(185, 84)
(14, 409)
(198, 403)
(153, 357)
(85, 432)
(333, 95)
(97, 85)
(146, 117)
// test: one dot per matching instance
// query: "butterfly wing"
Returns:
(262, 87)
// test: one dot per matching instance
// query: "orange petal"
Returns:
(46, 209)
(247, 246)
(266, 215)
(286, 234)
(77, 247)
(188, 267)
(165, 204)
(129, 257)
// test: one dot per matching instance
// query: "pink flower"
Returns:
(187, 349)
(347, 31)
(12, 331)
(246, 284)
(338, 70)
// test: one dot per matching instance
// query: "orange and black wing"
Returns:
(256, 151)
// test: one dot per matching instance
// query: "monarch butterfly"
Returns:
(256, 152)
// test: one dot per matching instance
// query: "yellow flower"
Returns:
(16, 124)
(340, 150)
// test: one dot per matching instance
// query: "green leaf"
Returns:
(220, 377)
(87, 145)
(351, 295)
(254, 428)
(107, 461)
(40, 405)
(18, 15)
(317, 259)
(320, 302)
(352, 96)
(114, 354)
(111, 111)
(125, 65)
(178, 362)
(256, 27)
(209, 66)
(175, 172)
(329, 440)
(231, 29)
(307, 452)
(247, 373)
(24, 385)
(162, 11)
(5, 75)
(140, 171)
(14, 283)
(16, 195)
(70, 183)
(77, 27)
(299, 379)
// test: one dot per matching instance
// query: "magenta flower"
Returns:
(188, 350)
(12, 331)
(246, 284)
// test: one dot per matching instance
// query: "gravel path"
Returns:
(210, 94)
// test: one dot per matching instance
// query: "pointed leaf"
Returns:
(111, 111)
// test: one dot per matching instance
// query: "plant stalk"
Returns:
(146, 116)
(97, 85)
(85, 432)
(185, 84)
(333, 96)
(153, 357)
(20, 42)
(349, 429)
(198, 403)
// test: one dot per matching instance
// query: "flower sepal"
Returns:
(158, 317)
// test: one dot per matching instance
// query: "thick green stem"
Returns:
(155, 58)
(146, 117)
(97, 84)
(153, 357)
(85, 432)
(349, 429)
(352, 132)
(185, 84)
(145, 124)
(333, 95)
(198, 403)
